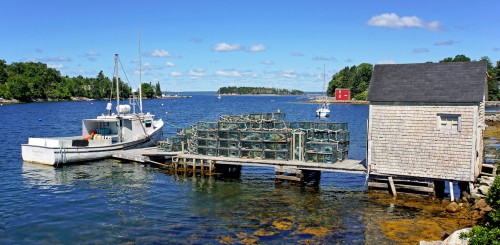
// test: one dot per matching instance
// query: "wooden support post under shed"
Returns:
(393, 188)
(452, 196)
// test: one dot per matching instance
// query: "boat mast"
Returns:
(117, 86)
(140, 74)
(324, 77)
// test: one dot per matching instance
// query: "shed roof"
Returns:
(428, 82)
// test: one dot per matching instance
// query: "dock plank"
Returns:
(348, 165)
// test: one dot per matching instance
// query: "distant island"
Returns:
(258, 90)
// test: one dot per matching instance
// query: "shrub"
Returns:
(489, 233)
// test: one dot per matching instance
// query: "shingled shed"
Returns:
(427, 120)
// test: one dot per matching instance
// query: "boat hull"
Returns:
(64, 155)
(322, 113)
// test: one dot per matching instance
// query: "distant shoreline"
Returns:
(259, 95)
(355, 102)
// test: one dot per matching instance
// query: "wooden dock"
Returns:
(349, 165)
(295, 171)
(144, 155)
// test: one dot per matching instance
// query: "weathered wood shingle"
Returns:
(452, 82)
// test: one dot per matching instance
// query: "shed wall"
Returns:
(405, 139)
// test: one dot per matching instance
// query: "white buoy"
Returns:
(161, 104)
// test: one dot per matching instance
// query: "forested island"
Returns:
(34, 81)
(357, 78)
(258, 90)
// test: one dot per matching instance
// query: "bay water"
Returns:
(113, 202)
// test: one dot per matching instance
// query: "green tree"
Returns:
(18, 88)
(457, 58)
(3, 79)
(158, 89)
(147, 90)
(355, 78)
(492, 80)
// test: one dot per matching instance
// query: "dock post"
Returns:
(176, 162)
(452, 195)
(202, 167)
(393, 188)
(210, 167)
(194, 167)
(185, 166)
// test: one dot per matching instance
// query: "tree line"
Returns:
(357, 78)
(32, 81)
(258, 90)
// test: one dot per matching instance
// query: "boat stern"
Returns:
(38, 154)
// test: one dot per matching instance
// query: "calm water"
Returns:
(110, 202)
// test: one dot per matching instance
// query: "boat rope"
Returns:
(144, 130)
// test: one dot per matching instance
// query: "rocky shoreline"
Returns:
(492, 118)
(14, 101)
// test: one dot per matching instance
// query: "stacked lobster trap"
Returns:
(264, 136)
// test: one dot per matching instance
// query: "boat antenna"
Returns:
(140, 74)
(117, 85)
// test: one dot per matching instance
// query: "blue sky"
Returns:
(203, 45)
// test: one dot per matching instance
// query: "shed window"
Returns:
(449, 122)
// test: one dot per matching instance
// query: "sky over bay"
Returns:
(203, 45)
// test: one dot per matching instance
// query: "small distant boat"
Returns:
(323, 110)
(219, 97)
(101, 137)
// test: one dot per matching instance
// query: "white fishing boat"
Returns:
(101, 137)
(323, 110)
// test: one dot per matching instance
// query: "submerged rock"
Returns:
(480, 204)
(452, 207)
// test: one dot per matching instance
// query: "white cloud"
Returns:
(91, 55)
(445, 43)
(147, 64)
(169, 64)
(321, 58)
(47, 59)
(224, 47)
(228, 73)
(421, 50)
(380, 62)
(392, 20)
(175, 74)
(59, 66)
(160, 53)
(267, 62)
(289, 74)
(197, 73)
(257, 48)
(56, 59)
